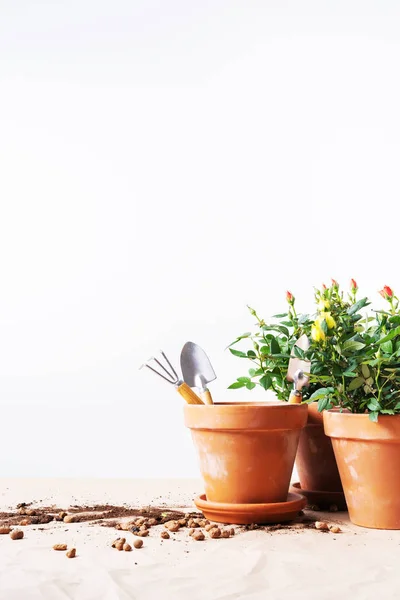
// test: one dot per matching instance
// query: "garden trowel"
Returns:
(297, 371)
(197, 370)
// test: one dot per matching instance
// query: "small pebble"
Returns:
(225, 534)
(138, 543)
(5, 530)
(17, 534)
(71, 553)
(214, 533)
(141, 533)
(192, 523)
(198, 535)
(127, 547)
(172, 526)
(60, 547)
(335, 529)
(165, 535)
(119, 545)
(321, 525)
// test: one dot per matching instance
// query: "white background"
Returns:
(162, 164)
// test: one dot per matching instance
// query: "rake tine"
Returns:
(164, 369)
(173, 370)
(158, 373)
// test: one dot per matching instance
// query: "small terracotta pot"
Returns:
(246, 450)
(368, 458)
(315, 460)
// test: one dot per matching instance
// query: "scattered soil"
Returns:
(123, 517)
(302, 522)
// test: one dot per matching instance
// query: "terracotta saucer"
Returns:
(245, 514)
(323, 500)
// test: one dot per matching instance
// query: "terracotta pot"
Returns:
(315, 460)
(368, 457)
(246, 450)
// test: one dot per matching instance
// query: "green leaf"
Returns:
(243, 379)
(373, 405)
(351, 346)
(265, 382)
(373, 416)
(387, 347)
(298, 352)
(349, 374)
(323, 403)
(251, 354)
(275, 348)
(357, 306)
(236, 385)
(251, 385)
(397, 407)
(280, 316)
(279, 328)
(393, 333)
(321, 393)
(238, 353)
(252, 372)
(387, 411)
(356, 383)
(264, 350)
(365, 371)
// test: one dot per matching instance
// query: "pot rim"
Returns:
(248, 416)
(358, 426)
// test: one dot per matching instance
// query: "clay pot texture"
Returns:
(315, 460)
(247, 450)
(368, 458)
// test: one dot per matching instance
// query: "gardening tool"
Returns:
(297, 370)
(197, 370)
(171, 376)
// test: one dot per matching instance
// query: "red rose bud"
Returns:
(388, 291)
(353, 285)
(289, 297)
(334, 283)
(324, 287)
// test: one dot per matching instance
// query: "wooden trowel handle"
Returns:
(206, 397)
(295, 397)
(188, 394)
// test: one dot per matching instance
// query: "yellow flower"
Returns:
(323, 304)
(316, 332)
(330, 321)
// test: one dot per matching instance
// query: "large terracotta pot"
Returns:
(315, 460)
(246, 450)
(368, 458)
